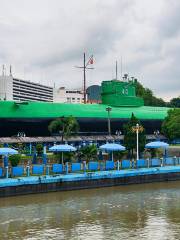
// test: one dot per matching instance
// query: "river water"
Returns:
(147, 211)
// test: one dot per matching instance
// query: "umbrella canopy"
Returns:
(111, 147)
(62, 148)
(157, 144)
(8, 151)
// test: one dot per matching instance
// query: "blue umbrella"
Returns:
(7, 151)
(62, 148)
(111, 147)
(157, 144)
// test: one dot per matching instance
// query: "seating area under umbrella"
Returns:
(5, 151)
(112, 147)
(62, 148)
(157, 144)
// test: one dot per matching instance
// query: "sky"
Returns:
(44, 40)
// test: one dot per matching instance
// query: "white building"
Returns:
(15, 89)
(20, 90)
(64, 95)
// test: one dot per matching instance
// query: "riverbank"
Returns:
(73, 181)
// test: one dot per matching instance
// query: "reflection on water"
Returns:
(148, 211)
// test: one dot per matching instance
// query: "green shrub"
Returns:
(39, 148)
(88, 153)
(15, 159)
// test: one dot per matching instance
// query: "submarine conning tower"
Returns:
(120, 94)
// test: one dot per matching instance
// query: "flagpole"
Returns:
(85, 66)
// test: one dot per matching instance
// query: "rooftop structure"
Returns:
(120, 93)
(63, 95)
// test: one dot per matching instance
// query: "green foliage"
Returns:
(171, 124)
(65, 126)
(174, 103)
(57, 156)
(20, 146)
(88, 153)
(148, 96)
(130, 136)
(119, 155)
(39, 148)
(15, 159)
(67, 157)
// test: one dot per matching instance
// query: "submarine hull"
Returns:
(88, 126)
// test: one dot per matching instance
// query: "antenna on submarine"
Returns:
(121, 68)
(116, 70)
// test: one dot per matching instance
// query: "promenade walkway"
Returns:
(7, 182)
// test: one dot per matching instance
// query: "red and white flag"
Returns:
(91, 61)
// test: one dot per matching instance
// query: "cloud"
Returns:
(45, 39)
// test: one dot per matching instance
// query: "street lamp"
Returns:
(21, 134)
(138, 128)
(118, 132)
(156, 134)
(108, 109)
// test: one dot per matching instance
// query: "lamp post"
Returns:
(118, 133)
(108, 109)
(156, 134)
(21, 134)
(138, 128)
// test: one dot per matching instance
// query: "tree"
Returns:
(120, 155)
(67, 156)
(14, 159)
(39, 148)
(88, 153)
(64, 126)
(175, 102)
(148, 96)
(171, 124)
(130, 136)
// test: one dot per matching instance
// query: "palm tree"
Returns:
(64, 126)
(88, 153)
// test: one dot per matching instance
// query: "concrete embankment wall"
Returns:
(29, 185)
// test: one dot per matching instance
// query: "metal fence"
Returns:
(56, 168)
